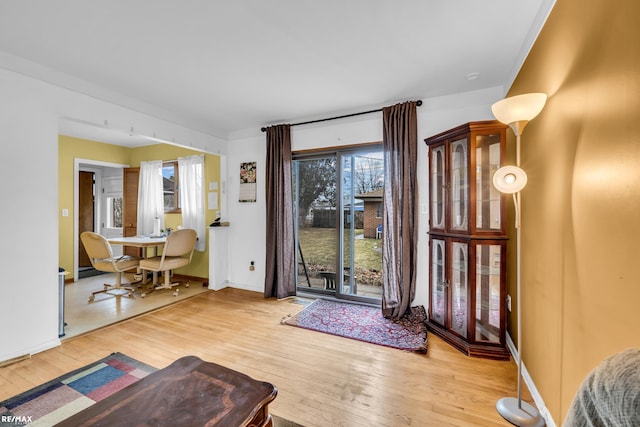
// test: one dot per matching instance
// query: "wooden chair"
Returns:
(102, 259)
(177, 252)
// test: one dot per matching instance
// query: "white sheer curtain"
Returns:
(150, 197)
(191, 181)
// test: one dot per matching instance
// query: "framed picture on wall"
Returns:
(247, 182)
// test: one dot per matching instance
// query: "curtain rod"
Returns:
(264, 129)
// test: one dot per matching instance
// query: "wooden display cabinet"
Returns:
(467, 239)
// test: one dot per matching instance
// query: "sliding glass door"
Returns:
(338, 210)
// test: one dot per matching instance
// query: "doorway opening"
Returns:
(86, 218)
(338, 223)
(98, 188)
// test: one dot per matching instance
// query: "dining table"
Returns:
(139, 241)
(145, 242)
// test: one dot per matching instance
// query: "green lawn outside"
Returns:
(319, 248)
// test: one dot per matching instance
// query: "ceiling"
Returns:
(221, 67)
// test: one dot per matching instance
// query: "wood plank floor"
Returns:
(322, 380)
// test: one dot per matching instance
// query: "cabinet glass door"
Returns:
(438, 283)
(459, 185)
(488, 295)
(438, 187)
(488, 208)
(459, 285)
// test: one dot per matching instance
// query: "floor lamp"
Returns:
(516, 112)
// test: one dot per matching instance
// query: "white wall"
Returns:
(248, 219)
(30, 113)
(29, 249)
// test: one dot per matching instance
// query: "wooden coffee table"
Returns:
(189, 392)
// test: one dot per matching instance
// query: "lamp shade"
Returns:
(509, 179)
(519, 108)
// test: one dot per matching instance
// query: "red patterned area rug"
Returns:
(364, 323)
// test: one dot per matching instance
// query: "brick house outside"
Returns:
(372, 212)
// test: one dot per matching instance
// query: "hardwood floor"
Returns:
(322, 380)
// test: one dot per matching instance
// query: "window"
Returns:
(170, 180)
(114, 212)
(111, 202)
(379, 210)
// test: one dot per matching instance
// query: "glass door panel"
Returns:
(488, 296)
(437, 187)
(488, 209)
(459, 185)
(362, 184)
(459, 284)
(314, 198)
(438, 285)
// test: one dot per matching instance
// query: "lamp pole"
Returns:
(516, 112)
(514, 410)
(517, 199)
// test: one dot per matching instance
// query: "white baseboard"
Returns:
(31, 350)
(244, 287)
(535, 394)
(218, 286)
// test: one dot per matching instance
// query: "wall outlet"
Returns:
(252, 266)
(509, 302)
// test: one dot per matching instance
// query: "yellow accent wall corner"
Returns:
(70, 148)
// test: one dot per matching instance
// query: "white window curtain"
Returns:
(191, 181)
(150, 197)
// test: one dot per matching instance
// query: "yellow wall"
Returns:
(70, 148)
(580, 207)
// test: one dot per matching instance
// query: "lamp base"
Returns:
(525, 415)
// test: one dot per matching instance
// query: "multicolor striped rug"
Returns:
(58, 399)
(364, 323)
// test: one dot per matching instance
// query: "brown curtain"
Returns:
(280, 278)
(400, 132)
